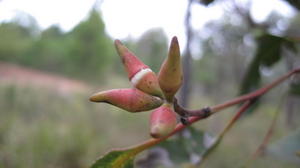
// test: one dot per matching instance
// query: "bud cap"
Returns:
(139, 74)
(131, 62)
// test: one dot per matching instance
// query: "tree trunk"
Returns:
(187, 60)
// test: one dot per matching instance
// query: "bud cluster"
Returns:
(150, 91)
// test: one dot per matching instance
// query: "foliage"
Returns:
(43, 128)
(87, 45)
(15, 40)
(181, 150)
(114, 159)
(268, 53)
(48, 51)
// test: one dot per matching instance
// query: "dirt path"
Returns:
(15, 74)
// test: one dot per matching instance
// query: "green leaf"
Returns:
(116, 159)
(182, 147)
(123, 158)
(268, 53)
(287, 148)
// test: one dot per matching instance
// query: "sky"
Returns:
(129, 18)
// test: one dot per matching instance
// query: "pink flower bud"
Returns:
(131, 100)
(170, 74)
(139, 74)
(131, 62)
(162, 121)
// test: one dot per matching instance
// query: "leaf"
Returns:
(116, 159)
(287, 148)
(183, 148)
(123, 158)
(268, 53)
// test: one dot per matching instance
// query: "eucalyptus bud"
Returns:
(139, 74)
(162, 121)
(170, 74)
(132, 100)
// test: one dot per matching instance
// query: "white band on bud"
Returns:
(139, 75)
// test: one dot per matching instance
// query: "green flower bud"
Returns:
(170, 74)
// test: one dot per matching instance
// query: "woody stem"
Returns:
(206, 112)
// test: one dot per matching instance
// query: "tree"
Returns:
(49, 51)
(90, 47)
(15, 41)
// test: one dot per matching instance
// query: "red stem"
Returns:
(151, 142)
(202, 113)
(255, 94)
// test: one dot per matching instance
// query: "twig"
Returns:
(241, 110)
(259, 151)
(206, 112)
(202, 113)
(267, 137)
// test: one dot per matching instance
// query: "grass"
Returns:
(41, 128)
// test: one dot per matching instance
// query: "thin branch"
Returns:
(206, 112)
(203, 112)
(267, 137)
(241, 110)
(261, 148)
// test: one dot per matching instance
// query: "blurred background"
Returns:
(55, 54)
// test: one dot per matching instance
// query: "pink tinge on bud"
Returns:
(162, 121)
(170, 74)
(131, 100)
(146, 81)
(131, 62)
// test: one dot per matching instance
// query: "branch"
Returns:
(125, 154)
(267, 137)
(206, 112)
(241, 110)
(261, 148)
